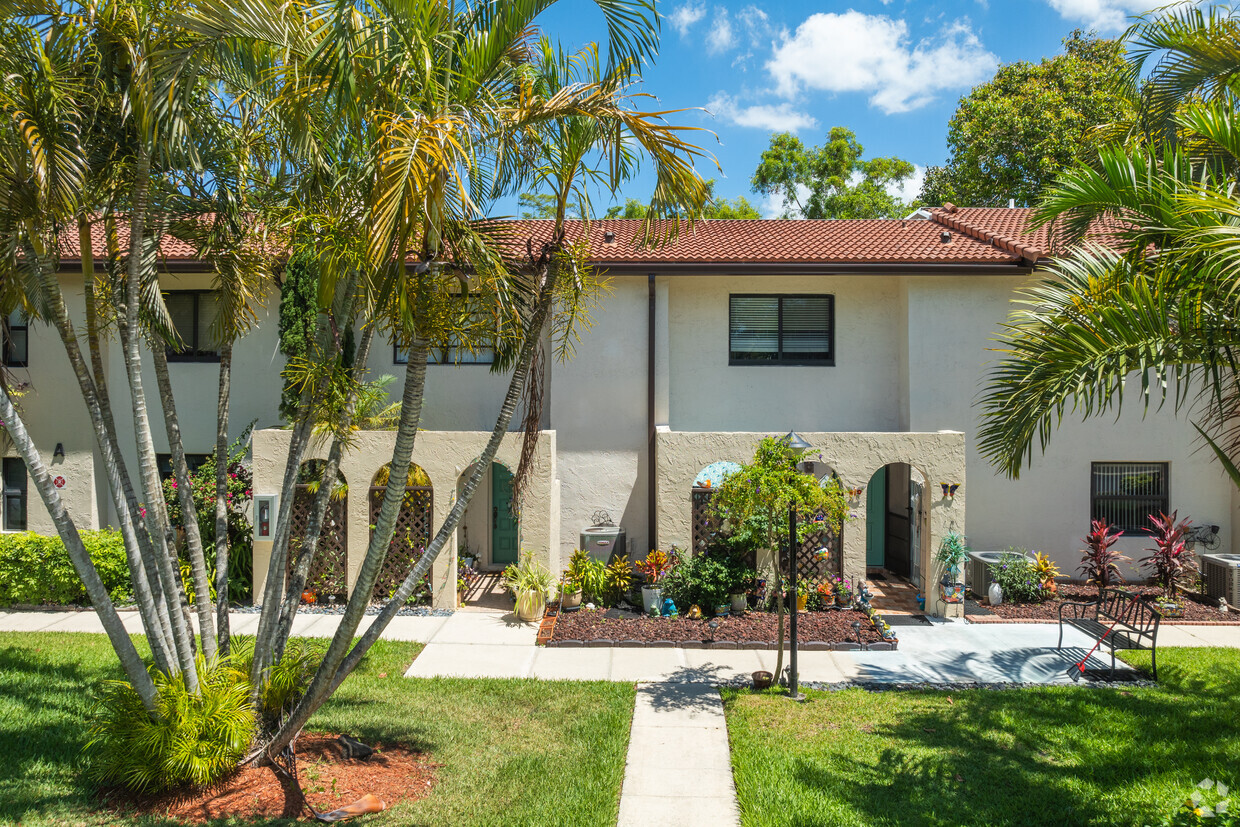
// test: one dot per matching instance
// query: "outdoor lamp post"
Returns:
(797, 443)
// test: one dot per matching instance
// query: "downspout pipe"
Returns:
(651, 520)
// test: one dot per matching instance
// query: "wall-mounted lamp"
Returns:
(264, 517)
(59, 453)
(949, 488)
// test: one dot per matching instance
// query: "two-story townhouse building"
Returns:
(871, 339)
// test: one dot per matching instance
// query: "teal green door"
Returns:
(876, 519)
(503, 526)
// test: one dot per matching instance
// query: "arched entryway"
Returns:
(412, 532)
(490, 533)
(892, 509)
(327, 576)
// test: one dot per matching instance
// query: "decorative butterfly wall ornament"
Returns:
(949, 488)
(854, 493)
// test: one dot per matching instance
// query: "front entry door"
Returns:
(503, 525)
(876, 520)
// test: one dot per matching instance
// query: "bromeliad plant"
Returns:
(656, 565)
(951, 554)
(1099, 560)
(1170, 560)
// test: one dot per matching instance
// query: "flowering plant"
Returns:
(654, 567)
(1017, 576)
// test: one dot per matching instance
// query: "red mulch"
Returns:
(752, 627)
(1196, 610)
(394, 773)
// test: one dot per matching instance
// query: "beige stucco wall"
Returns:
(951, 324)
(853, 456)
(445, 456)
(598, 411)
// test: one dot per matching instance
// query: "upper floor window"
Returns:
(16, 340)
(14, 494)
(192, 461)
(1126, 493)
(781, 330)
(193, 312)
(452, 352)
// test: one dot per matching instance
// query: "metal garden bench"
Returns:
(1134, 618)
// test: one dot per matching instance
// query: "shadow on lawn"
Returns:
(1040, 756)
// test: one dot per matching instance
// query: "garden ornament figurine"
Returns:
(669, 608)
(863, 596)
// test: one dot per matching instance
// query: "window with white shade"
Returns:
(781, 330)
(1125, 494)
(16, 340)
(193, 313)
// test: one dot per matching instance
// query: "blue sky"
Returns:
(890, 70)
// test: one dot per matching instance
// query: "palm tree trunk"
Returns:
(322, 499)
(148, 470)
(132, 663)
(221, 497)
(203, 605)
(331, 673)
(138, 552)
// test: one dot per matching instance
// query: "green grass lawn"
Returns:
(1056, 755)
(510, 752)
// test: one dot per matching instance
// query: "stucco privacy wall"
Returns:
(951, 325)
(853, 456)
(444, 455)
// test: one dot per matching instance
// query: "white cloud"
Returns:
(685, 16)
(911, 188)
(720, 38)
(855, 52)
(780, 117)
(1103, 15)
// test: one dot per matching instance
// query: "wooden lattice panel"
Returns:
(809, 565)
(704, 523)
(410, 538)
(327, 571)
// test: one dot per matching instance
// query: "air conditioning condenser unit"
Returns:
(1220, 573)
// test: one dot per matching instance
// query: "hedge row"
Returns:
(36, 569)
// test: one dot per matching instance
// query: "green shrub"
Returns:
(703, 579)
(1017, 575)
(36, 569)
(194, 738)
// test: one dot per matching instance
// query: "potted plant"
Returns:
(572, 582)
(570, 594)
(802, 595)
(740, 590)
(951, 554)
(653, 568)
(530, 582)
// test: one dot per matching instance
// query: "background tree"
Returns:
(738, 207)
(832, 180)
(1010, 137)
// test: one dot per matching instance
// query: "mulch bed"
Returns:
(1196, 610)
(614, 627)
(394, 773)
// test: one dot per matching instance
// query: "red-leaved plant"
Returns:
(1170, 560)
(1099, 561)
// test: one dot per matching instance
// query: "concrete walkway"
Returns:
(679, 769)
(492, 646)
(304, 625)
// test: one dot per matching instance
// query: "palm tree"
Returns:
(1159, 300)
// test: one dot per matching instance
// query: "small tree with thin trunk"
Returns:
(758, 496)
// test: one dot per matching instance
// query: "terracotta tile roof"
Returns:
(169, 247)
(976, 236)
(740, 241)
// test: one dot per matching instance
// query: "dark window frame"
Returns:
(193, 352)
(827, 361)
(163, 463)
(15, 493)
(9, 358)
(1097, 497)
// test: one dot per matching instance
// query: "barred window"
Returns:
(1126, 493)
(781, 330)
(16, 340)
